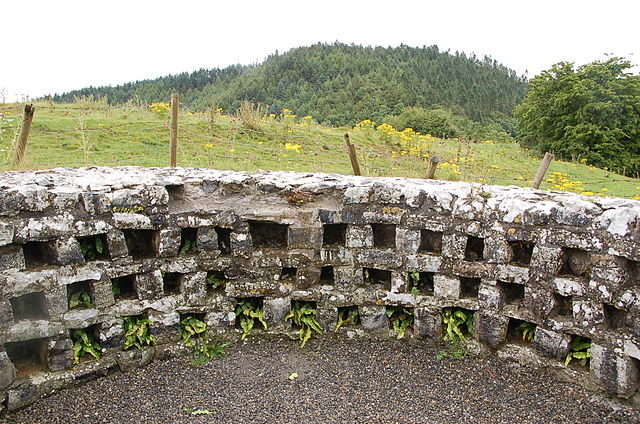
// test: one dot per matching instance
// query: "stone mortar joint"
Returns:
(564, 263)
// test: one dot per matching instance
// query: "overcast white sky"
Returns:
(55, 46)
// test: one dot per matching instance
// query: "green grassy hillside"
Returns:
(92, 133)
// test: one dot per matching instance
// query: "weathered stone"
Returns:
(427, 323)
(21, 394)
(65, 251)
(491, 297)
(547, 260)
(551, 343)
(207, 238)
(275, 309)
(446, 287)
(407, 240)
(133, 359)
(6, 233)
(453, 245)
(117, 244)
(11, 257)
(359, 236)
(95, 203)
(7, 371)
(59, 354)
(149, 286)
(193, 288)
(168, 242)
(490, 329)
(80, 318)
(620, 375)
(374, 318)
(306, 238)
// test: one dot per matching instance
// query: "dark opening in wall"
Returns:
(288, 273)
(188, 243)
(94, 247)
(469, 287)
(176, 192)
(171, 282)
(29, 306)
(326, 275)
(520, 331)
(216, 282)
(614, 318)
(513, 293)
(79, 295)
(421, 283)
(334, 235)
(35, 254)
(576, 263)
(347, 316)
(522, 252)
(28, 357)
(124, 287)
(140, 243)
(379, 277)
(474, 250)
(224, 240)
(563, 306)
(268, 234)
(430, 242)
(384, 235)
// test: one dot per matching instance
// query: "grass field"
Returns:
(92, 133)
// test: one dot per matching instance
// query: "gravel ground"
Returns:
(338, 381)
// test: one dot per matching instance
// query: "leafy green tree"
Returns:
(590, 113)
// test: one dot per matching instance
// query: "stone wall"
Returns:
(567, 263)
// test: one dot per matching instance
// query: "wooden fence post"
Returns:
(352, 155)
(544, 165)
(24, 135)
(433, 164)
(175, 105)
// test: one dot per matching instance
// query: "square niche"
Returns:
(35, 254)
(521, 252)
(171, 283)
(384, 236)
(30, 306)
(334, 235)
(430, 242)
(124, 288)
(94, 247)
(267, 234)
(377, 277)
(80, 295)
(421, 283)
(474, 250)
(28, 356)
(140, 243)
(327, 275)
(216, 282)
(513, 293)
(188, 241)
(469, 287)
(224, 240)
(576, 263)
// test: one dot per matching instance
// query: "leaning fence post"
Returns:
(433, 164)
(544, 165)
(175, 104)
(352, 155)
(24, 135)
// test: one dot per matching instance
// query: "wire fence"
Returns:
(72, 136)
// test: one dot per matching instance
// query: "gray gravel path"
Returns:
(339, 381)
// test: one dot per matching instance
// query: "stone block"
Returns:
(305, 238)
(399, 281)
(490, 329)
(117, 244)
(64, 251)
(133, 359)
(207, 238)
(491, 297)
(194, 288)
(453, 246)
(59, 354)
(95, 203)
(168, 242)
(327, 318)
(619, 374)
(407, 240)
(427, 324)
(11, 257)
(103, 294)
(347, 278)
(446, 287)
(7, 371)
(80, 318)
(359, 236)
(57, 303)
(512, 274)
(546, 260)
(497, 250)
(149, 285)
(275, 309)
(374, 319)
(588, 313)
(21, 394)
(221, 319)
(551, 343)
(240, 242)
(111, 334)
(6, 233)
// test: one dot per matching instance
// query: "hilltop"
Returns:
(340, 84)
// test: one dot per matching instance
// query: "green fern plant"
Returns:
(80, 299)
(84, 344)
(213, 282)
(458, 322)
(136, 332)
(188, 246)
(527, 330)
(193, 334)
(580, 349)
(347, 316)
(401, 320)
(303, 314)
(248, 311)
(91, 247)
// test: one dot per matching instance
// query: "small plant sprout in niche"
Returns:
(193, 334)
(580, 350)
(80, 300)
(401, 320)
(303, 314)
(136, 332)
(347, 316)
(458, 323)
(248, 312)
(91, 247)
(213, 282)
(84, 344)
(188, 246)
(527, 330)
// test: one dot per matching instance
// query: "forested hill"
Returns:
(341, 84)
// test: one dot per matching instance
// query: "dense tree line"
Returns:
(341, 84)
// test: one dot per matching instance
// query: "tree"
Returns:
(592, 114)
